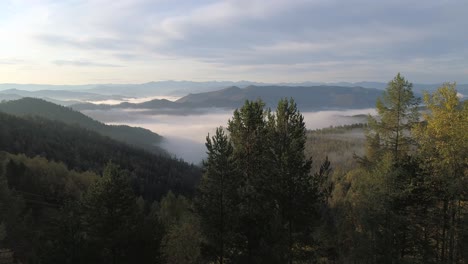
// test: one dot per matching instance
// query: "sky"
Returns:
(137, 41)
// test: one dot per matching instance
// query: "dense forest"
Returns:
(135, 136)
(393, 190)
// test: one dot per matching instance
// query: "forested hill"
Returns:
(81, 149)
(306, 97)
(135, 136)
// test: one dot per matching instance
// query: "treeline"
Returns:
(260, 200)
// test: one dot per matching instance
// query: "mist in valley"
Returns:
(133, 100)
(185, 135)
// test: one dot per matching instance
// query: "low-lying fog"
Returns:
(134, 100)
(185, 135)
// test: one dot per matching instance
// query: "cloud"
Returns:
(217, 39)
(83, 63)
(85, 43)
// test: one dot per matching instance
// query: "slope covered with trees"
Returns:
(135, 136)
(82, 149)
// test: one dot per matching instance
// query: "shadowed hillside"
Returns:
(136, 136)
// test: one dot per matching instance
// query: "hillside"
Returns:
(135, 136)
(82, 149)
(306, 97)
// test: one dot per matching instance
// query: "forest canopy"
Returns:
(269, 191)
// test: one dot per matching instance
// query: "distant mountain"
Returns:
(417, 87)
(61, 95)
(9, 97)
(37, 87)
(135, 136)
(182, 88)
(174, 88)
(307, 98)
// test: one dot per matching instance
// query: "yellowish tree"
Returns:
(443, 145)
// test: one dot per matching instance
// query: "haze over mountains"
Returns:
(182, 88)
(194, 96)
(308, 98)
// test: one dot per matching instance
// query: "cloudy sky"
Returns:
(135, 41)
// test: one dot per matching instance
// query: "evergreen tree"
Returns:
(248, 133)
(382, 189)
(397, 112)
(217, 197)
(110, 216)
(292, 182)
(257, 195)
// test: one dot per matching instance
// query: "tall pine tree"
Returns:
(397, 113)
(292, 183)
(217, 197)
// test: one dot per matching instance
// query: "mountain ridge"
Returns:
(135, 136)
(181, 88)
(307, 98)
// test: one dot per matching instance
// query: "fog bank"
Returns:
(185, 135)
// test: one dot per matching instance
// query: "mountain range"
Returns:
(181, 88)
(306, 97)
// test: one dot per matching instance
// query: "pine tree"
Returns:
(217, 196)
(248, 133)
(397, 111)
(109, 215)
(292, 182)
(382, 188)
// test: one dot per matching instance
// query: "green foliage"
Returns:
(135, 136)
(409, 205)
(293, 187)
(443, 149)
(181, 245)
(397, 111)
(173, 209)
(217, 197)
(79, 149)
(51, 182)
(257, 198)
(110, 215)
(182, 242)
